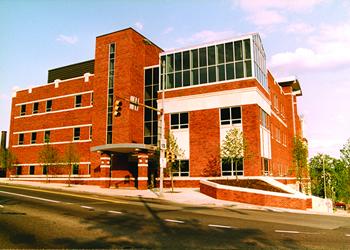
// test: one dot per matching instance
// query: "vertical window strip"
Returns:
(110, 91)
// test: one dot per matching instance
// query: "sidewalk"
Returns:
(188, 196)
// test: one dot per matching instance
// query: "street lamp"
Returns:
(324, 178)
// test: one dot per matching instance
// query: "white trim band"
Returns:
(55, 111)
(54, 128)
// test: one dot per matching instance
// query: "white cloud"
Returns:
(168, 30)
(67, 39)
(269, 12)
(299, 28)
(138, 25)
(3, 97)
(328, 49)
(205, 36)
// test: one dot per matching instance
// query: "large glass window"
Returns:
(221, 62)
(181, 168)
(231, 167)
(230, 115)
(31, 170)
(179, 120)
(110, 94)
(151, 116)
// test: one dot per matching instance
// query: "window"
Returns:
(275, 101)
(47, 136)
(90, 133)
(92, 99)
(45, 169)
(20, 139)
(19, 170)
(33, 139)
(264, 119)
(265, 163)
(75, 169)
(48, 105)
(35, 107)
(76, 134)
(31, 170)
(181, 168)
(232, 167)
(179, 121)
(89, 169)
(78, 101)
(23, 110)
(110, 95)
(230, 116)
(220, 62)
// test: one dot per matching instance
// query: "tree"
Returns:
(70, 158)
(322, 175)
(345, 153)
(7, 159)
(300, 155)
(234, 148)
(49, 157)
(177, 153)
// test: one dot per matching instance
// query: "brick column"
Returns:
(105, 165)
(142, 168)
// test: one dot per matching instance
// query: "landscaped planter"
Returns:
(254, 196)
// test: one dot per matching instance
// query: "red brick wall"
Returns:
(204, 127)
(254, 198)
(251, 132)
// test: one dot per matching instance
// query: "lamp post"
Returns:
(324, 178)
(162, 160)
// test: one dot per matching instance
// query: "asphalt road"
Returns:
(32, 218)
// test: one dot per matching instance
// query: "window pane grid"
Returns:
(215, 63)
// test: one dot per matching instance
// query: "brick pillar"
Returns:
(142, 168)
(105, 165)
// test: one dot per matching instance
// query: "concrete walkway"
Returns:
(188, 196)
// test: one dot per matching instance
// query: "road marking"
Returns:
(288, 232)
(348, 235)
(87, 207)
(1, 206)
(219, 226)
(295, 232)
(175, 221)
(31, 197)
(66, 194)
(114, 212)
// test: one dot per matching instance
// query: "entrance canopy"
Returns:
(124, 148)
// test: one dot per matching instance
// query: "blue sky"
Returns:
(306, 38)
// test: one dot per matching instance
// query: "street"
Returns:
(36, 218)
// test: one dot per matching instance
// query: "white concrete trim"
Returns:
(105, 166)
(51, 143)
(105, 158)
(278, 118)
(152, 66)
(54, 128)
(219, 99)
(142, 165)
(52, 83)
(73, 177)
(41, 164)
(56, 97)
(142, 178)
(53, 112)
(250, 190)
(232, 39)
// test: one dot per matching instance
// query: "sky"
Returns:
(306, 38)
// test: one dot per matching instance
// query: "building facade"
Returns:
(204, 90)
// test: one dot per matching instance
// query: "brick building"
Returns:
(208, 89)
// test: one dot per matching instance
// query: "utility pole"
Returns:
(324, 178)
(162, 159)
